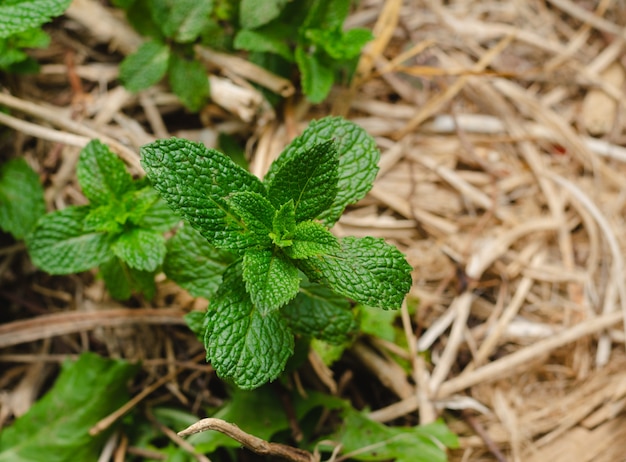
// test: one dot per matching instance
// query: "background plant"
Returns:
(120, 230)
(287, 266)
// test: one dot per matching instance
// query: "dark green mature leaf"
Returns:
(266, 40)
(20, 15)
(365, 439)
(141, 249)
(56, 428)
(145, 209)
(145, 67)
(243, 344)
(21, 198)
(257, 215)
(189, 81)
(320, 313)
(182, 20)
(358, 156)
(59, 244)
(194, 264)
(101, 174)
(271, 279)
(368, 270)
(196, 181)
(255, 13)
(316, 77)
(122, 280)
(327, 14)
(309, 179)
(310, 239)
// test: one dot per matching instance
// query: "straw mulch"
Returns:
(502, 130)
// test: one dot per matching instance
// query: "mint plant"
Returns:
(21, 198)
(290, 275)
(20, 28)
(120, 231)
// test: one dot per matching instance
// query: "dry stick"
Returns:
(44, 133)
(177, 439)
(617, 272)
(251, 442)
(588, 17)
(53, 115)
(502, 366)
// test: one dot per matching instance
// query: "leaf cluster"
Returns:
(20, 28)
(289, 275)
(120, 230)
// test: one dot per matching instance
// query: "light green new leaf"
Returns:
(189, 81)
(309, 179)
(60, 245)
(121, 280)
(242, 343)
(21, 198)
(256, 214)
(316, 77)
(91, 387)
(145, 67)
(104, 218)
(194, 264)
(320, 313)
(141, 249)
(358, 158)
(368, 270)
(20, 15)
(101, 174)
(271, 279)
(310, 239)
(366, 439)
(255, 13)
(196, 182)
(283, 225)
(182, 20)
(340, 45)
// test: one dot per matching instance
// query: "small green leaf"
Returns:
(93, 387)
(255, 13)
(196, 321)
(59, 244)
(284, 224)
(316, 77)
(327, 14)
(21, 198)
(320, 313)
(368, 270)
(358, 156)
(271, 279)
(256, 214)
(242, 343)
(194, 264)
(189, 81)
(141, 249)
(145, 67)
(182, 20)
(104, 218)
(311, 239)
(122, 280)
(101, 174)
(196, 182)
(20, 15)
(339, 45)
(266, 40)
(309, 178)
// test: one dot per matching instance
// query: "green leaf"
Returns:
(256, 214)
(121, 280)
(92, 388)
(316, 77)
(194, 264)
(266, 40)
(189, 81)
(320, 313)
(339, 45)
(283, 225)
(242, 343)
(196, 321)
(21, 198)
(145, 67)
(158, 217)
(59, 244)
(255, 13)
(101, 174)
(358, 156)
(196, 181)
(368, 270)
(104, 218)
(309, 179)
(365, 439)
(141, 249)
(182, 20)
(327, 14)
(378, 323)
(311, 239)
(271, 279)
(20, 15)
